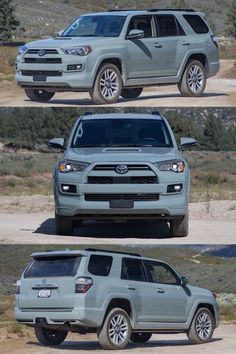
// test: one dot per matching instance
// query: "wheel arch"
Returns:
(208, 306)
(201, 57)
(122, 303)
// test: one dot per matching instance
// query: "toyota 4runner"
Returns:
(117, 53)
(121, 167)
(121, 296)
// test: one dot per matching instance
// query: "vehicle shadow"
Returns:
(108, 229)
(88, 102)
(94, 345)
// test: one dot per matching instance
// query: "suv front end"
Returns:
(132, 179)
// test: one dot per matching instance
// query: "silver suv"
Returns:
(117, 53)
(121, 167)
(121, 296)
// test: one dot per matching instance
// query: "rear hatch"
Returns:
(49, 282)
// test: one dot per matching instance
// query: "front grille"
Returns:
(43, 60)
(130, 167)
(122, 180)
(46, 51)
(44, 72)
(109, 197)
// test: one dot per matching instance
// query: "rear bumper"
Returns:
(78, 316)
(213, 69)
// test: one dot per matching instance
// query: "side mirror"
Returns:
(59, 33)
(183, 281)
(187, 143)
(135, 34)
(57, 143)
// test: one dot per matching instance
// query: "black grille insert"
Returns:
(44, 72)
(46, 51)
(122, 180)
(108, 197)
(130, 167)
(43, 60)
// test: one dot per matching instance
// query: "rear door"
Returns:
(171, 45)
(49, 283)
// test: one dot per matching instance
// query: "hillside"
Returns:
(45, 17)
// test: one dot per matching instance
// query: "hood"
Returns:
(64, 42)
(125, 154)
(200, 291)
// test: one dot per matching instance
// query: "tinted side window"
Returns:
(143, 23)
(167, 26)
(159, 273)
(197, 23)
(133, 269)
(100, 265)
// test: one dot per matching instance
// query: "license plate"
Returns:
(120, 204)
(44, 293)
(39, 78)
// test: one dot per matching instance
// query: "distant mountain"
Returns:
(41, 18)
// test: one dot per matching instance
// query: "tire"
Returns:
(109, 339)
(107, 86)
(63, 225)
(197, 335)
(49, 336)
(39, 95)
(129, 93)
(193, 81)
(140, 337)
(179, 227)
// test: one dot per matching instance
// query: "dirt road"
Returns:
(223, 342)
(27, 220)
(220, 92)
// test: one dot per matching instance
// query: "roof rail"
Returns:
(151, 10)
(156, 113)
(108, 251)
(125, 10)
(154, 10)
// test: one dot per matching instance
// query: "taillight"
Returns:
(82, 284)
(214, 40)
(18, 287)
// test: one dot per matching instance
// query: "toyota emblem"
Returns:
(122, 169)
(41, 52)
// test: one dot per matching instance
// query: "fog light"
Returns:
(68, 188)
(174, 188)
(75, 67)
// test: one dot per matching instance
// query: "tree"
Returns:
(8, 22)
(231, 20)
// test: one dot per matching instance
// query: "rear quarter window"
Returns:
(100, 265)
(197, 24)
(53, 267)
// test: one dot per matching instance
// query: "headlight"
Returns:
(22, 49)
(171, 165)
(81, 51)
(70, 166)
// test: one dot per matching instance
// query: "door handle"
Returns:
(130, 287)
(185, 43)
(157, 45)
(160, 291)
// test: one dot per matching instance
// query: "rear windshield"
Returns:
(197, 24)
(121, 132)
(53, 267)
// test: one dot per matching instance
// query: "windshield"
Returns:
(95, 26)
(121, 132)
(54, 266)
